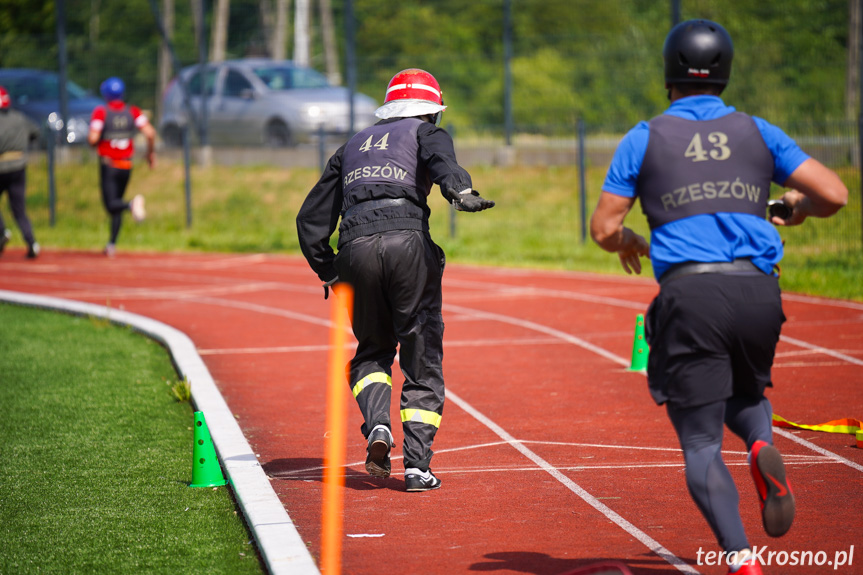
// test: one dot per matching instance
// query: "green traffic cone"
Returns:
(639, 347)
(206, 471)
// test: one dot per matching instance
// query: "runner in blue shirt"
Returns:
(702, 172)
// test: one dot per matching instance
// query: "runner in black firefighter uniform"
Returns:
(702, 172)
(378, 183)
(16, 132)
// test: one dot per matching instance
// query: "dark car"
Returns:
(36, 94)
(262, 102)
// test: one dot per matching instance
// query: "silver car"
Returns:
(260, 102)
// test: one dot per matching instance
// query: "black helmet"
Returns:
(697, 51)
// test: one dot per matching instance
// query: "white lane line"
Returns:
(317, 470)
(643, 537)
(531, 326)
(503, 291)
(443, 472)
(542, 329)
(823, 301)
(352, 345)
(263, 309)
(535, 327)
(816, 448)
(820, 349)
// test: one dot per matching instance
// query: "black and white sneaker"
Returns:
(416, 480)
(378, 459)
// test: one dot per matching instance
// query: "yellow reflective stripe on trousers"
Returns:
(421, 416)
(378, 377)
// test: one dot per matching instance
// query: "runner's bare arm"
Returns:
(608, 231)
(816, 191)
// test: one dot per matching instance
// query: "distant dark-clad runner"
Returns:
(16, 133)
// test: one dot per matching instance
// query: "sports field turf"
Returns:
(97, 457)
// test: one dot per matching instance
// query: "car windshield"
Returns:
(40, 89)
(287, 78)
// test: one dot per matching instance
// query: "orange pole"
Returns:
(341, 310)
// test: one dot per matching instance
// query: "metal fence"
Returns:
(601, 85)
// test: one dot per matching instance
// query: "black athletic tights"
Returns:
(113, 182)
(710, 484)
(16, 184)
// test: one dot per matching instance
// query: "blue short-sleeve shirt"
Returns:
(719, 237)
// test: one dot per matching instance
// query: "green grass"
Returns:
(536, 223)
(97, 457)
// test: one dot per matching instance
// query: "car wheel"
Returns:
(277, 135)
(172, 136)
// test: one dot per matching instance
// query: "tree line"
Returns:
(795, 60)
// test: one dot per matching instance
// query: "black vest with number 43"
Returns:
(704, 167)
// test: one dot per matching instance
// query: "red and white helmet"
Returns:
(412, 92)
(5, 99)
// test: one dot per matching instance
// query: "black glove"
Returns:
(779, 209)
(469, 200)
(327, 286)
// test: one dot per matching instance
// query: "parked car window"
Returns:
(285, 78)
(41, 89)
(36, 94)
(278, 115)
(235, 84)
(195, 82)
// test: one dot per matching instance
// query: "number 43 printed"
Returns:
(720, 150)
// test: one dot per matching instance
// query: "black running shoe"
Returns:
(416, 480)
(777, 500)
(4, 239)
(378, 459)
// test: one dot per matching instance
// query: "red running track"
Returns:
(551, 453)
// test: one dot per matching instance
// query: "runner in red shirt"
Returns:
(112, 132)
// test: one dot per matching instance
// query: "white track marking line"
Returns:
(821, 301)
(542, 329)
(643, 537)
(824, 350)
(503, 291)
(821, 450)
(263, 309)
(789, 459)
(352, 345)
(549, 331)
(317, 474)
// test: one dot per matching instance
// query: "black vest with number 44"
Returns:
(119, 124)
(704, 167)
(385, 154)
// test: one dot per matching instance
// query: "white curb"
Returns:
(279, 543)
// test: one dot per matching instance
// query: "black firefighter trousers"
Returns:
(396, 277)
